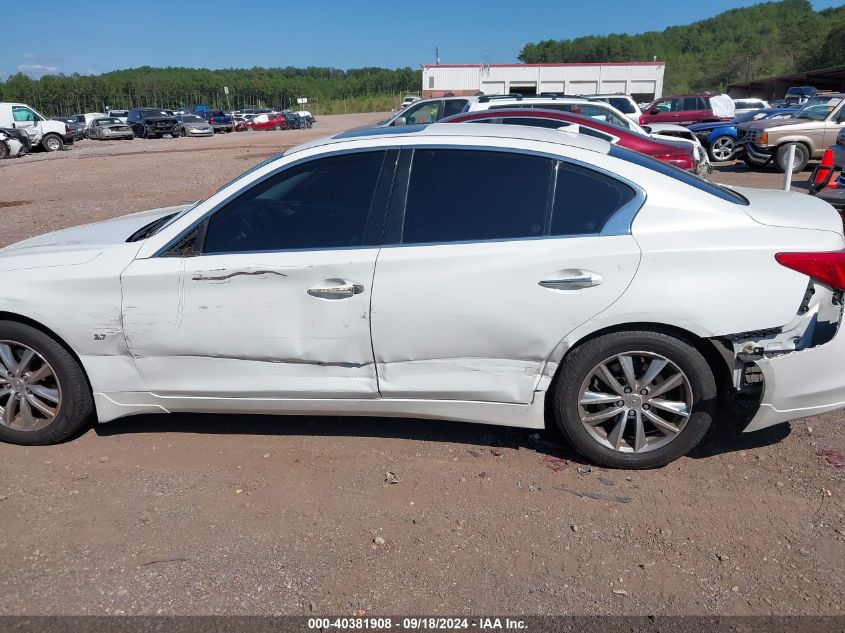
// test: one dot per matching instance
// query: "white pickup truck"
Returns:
(50, 135)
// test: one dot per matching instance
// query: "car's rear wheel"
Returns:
(802, 157)
(52, 143)
(4, 150)
(721, 149)
(634, 399)
(44, 394)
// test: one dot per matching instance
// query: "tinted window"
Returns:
(593, 111)
(621, 104)
(319, 204)
(585, 199)
(453, 106)
(448, 200)
(678, 174)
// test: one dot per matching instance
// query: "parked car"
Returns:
(688, 109)
(307, 117)
(76, 129)
(720, 137)
(193, 125)
(42, 132)
(423, 111)
(107, 128)
(271, 121)
(85, 119)
(13, 143)
(152, 123)
(113, 319)
(677, 154)
(598, 110)
(219, 120)
(622, 102)
(123, 115)
(811, 129)
(295, 122)
(408, 101)
(798, 95)
(743, 106)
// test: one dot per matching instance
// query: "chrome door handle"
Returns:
(572, 280)
(336, 289)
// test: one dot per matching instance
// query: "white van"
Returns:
(51, 135)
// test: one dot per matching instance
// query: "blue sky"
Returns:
(94, 37)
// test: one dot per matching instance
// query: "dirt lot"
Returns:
(258, 515)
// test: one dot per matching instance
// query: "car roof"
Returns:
(536, 113)
(463, 130)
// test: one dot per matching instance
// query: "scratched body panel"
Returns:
(243, 325)
(473, 323)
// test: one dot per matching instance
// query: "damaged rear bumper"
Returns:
(802, 383)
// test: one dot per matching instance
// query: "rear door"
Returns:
(490, 258)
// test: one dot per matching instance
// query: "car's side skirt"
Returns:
(111, 406)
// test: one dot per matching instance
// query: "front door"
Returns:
(269, 296)
(499, 255)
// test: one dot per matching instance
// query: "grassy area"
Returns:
(375, 103)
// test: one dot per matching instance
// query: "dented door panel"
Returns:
(473, 322)
(245, 325)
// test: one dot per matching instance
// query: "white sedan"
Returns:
(507, 275)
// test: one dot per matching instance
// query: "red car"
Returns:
(682, 110)
(273, 121)
(678, 154)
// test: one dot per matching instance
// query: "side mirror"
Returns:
(400, 121)
(647, 128)
(654, 111)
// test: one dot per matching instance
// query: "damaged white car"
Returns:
(13, 143)
(508, 275)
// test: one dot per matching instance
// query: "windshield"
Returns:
(192, 118)
(818, 108)
(107, 121)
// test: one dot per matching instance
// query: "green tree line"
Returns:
(328, 90)
(763, 40)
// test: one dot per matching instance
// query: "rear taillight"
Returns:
(678, 160)
(827, 267)
(211, 120)
(642, 119)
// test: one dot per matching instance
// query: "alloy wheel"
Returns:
(722, 148)
(635, 402)
(30, 394)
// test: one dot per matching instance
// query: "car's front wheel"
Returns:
(44, 394)
(721, 149)
(634, 399)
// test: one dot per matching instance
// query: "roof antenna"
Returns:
(437, 55)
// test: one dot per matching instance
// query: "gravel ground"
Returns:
(267, 515)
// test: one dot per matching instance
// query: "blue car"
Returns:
(720, 137)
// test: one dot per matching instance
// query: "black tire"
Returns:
(277, 127)
(578, 365)
(802, 157)
(52, 143)
(77, 404)
(722, 148)
(4, 150)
